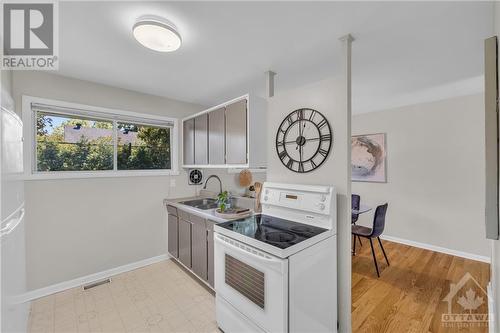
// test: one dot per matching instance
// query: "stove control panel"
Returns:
(313, 199)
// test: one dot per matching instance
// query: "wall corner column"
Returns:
(344, 213)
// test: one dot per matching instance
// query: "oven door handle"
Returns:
(247, 250)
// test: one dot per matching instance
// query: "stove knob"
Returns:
(323, 198)
(321, 207)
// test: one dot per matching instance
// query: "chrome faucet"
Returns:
(216, 177)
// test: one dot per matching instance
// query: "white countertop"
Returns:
(208, 213)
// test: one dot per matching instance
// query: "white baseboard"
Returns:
(55, 288)
(437, 249)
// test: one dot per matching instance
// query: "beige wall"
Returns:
(82, 226)
(328, 97)
(435, 173)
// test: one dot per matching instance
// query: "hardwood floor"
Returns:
(408, 296)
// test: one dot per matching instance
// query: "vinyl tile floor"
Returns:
(157, 298)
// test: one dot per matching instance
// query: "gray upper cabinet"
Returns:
(216, 136)
(188, 141)
(236, 133)
(230, 135)
(201, 139)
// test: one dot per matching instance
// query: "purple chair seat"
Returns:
(359, 230)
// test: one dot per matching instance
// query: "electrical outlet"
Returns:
(172, 182)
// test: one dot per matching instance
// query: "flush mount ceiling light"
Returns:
(157, 34)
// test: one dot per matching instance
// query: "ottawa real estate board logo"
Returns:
(29, 35)
(467, 305)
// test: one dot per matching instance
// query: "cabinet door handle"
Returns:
(12, 221)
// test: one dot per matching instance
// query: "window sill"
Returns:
(98, 174)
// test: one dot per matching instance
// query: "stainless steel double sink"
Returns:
(203, 204)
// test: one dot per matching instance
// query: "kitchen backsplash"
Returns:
(230, 181)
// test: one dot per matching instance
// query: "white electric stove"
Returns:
(277, 271)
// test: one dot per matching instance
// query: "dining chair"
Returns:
(355, 200)
(374, 232)
(355, 204)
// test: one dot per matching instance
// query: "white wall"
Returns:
(230, 181)
(495, 253)
(435, 173)
(328, 97)
(6, 81)
(6, 87)
(82, 226)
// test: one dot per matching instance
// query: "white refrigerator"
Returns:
(492, 131)
(14, 313)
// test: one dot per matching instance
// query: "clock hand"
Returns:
(304, 128)
(295, 141)
(298, 130)
(300, 133)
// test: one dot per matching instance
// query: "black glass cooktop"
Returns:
(272, 230)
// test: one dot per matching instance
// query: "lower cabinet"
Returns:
(199, 246)
(185, 242)
(191, 241)
(210, 252)
(173, 234)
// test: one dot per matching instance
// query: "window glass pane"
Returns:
(67, 143)
(143, 147)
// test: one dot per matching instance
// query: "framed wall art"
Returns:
(368, 158)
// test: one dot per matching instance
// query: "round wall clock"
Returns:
(303, 140)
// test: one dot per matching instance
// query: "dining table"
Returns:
(362, 209)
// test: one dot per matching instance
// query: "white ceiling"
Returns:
(400, 47)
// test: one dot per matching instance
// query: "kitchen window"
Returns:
(143, 147)
(75, 141)
(71, 143)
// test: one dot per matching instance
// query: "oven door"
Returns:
(254, 282)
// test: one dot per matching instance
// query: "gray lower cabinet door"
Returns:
(210, 253)
(201, 139)
(236, 133)
(199, 247)
(173, 234)
(185, 242)
(188, 141)
(216, 135)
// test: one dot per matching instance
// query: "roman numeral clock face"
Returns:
(303, 140)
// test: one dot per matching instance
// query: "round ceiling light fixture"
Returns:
(157, 34)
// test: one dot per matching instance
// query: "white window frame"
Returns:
(31, 173)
